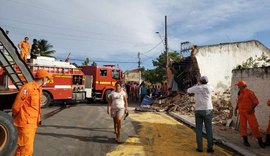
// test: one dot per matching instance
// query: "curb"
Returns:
(215, 137)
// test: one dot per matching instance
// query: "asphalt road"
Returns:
(83, 129)
(87, 130)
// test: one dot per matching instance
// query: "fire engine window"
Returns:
(77, 80)
(116, 74)
(103, 72)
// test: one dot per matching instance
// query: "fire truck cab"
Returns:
(104, 79)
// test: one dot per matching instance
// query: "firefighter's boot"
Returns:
(246, 143)
(267, 140)
(261, 142)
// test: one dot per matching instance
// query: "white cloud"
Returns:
(118, 29)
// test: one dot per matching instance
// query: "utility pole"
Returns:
(139, 67)
(166, 46)
(166, 39)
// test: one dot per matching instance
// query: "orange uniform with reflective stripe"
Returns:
(246, 101)
(25, 49)
(26, 112)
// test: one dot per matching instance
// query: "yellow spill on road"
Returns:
(161, 135)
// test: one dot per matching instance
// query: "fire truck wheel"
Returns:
(91, 100)
(8, 134)
(46, 99)
(107, 92)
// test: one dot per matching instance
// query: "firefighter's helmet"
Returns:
(241, 83)
(41, 73)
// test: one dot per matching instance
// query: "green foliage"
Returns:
(86, 62)
(158, 74)
(261, 61)
(45, 48)
(151, 76)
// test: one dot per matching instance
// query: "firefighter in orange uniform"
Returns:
(247, 101)
(267, 141)
(24, 47)
(26, 112)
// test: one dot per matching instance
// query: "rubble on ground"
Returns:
(184, 104)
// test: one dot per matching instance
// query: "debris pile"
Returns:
(178, 103)
(186, 73)
(223, 109)
(185, 104)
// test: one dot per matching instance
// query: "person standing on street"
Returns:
(117, 107)
(24, 47)
(34, 49)
(143, 92)
(267, 141)
(203, 113)
(247, 101)
(26, 112)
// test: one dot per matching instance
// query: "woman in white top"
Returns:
(117, 107)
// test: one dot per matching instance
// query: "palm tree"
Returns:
(86, 62)
(45, 48)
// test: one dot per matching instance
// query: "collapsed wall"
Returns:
(217, 62)
(186, 72)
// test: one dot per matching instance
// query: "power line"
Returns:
(65, 36)
(101, 61)
(152, 48)
(58, 27)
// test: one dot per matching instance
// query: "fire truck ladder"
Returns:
(9, 57)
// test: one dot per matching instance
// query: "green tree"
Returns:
(45, 48)
(159, 73)
(150, 75)
(86, 62)
(251, 62)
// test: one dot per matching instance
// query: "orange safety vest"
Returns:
(26, 108)
(246, 100)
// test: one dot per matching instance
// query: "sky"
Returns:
(114, 31)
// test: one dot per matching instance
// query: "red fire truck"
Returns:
(68, 81)
(89, 83)
(104, 79)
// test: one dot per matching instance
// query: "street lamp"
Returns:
(160, 38)
(165, 48)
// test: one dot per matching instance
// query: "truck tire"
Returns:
(106, 98)
(91, 100)
(46, 99)
(8, 134)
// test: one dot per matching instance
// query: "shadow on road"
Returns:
(98, 139)
(82, 128)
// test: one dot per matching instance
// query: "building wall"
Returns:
(258, 80)
(218, 61)
(132, 76)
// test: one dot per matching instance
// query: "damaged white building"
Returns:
(217, 62)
